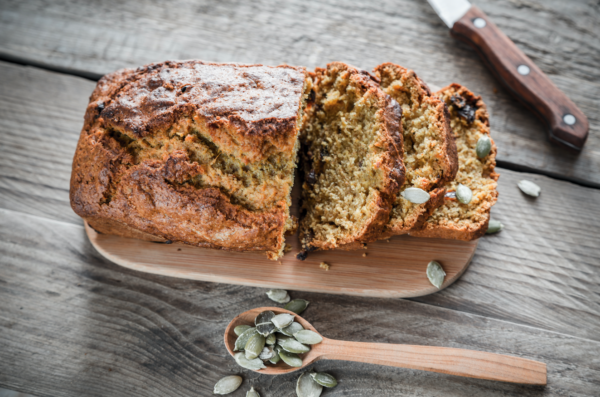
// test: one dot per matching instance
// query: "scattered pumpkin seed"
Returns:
(252, 393)
(267, 353)
(228, 384)
(435, 274)
(415, 195)
(283, 320)
(494, 227)
(324, 379)
(291, 329)
(240, 329)
(307, 387)
(297, 306)
(241, 341)
(308, 337)
(271, 340)
(290, 359)
(255, 364)
(293, 346)
(278, 295)
(263, 323)
(529, 188)
(254, 346)
(484, 145)
(463, 194)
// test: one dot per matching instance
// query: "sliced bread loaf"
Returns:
(469, 123)
(429, 150)
(351, 157)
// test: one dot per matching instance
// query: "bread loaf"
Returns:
(193, 152)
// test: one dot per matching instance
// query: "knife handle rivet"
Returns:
(479, 23)
(523, 70)
(569, 119)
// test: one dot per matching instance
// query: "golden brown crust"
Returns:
(249, 111)
(390, 162)
(411, 92)
(467, 231)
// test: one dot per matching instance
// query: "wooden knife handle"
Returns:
(446, 360)
(566, 123)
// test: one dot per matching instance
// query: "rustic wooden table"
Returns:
(74, 324)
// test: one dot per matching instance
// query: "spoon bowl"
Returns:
(447, 360)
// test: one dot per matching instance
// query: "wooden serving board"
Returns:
(394, 269)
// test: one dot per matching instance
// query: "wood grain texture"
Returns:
(391, 269)
(445, 360)
(562, 38)
(542, 270)
(74, 324)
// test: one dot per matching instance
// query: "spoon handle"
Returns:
(447, 360)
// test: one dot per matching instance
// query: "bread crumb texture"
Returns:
(430, 154)
(352, 164)
(195, 152)
(469, 122)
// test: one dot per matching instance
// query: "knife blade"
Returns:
(566, 123)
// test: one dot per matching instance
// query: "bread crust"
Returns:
(390, 163)
(250, 112)
(472, 231)
(389, 73)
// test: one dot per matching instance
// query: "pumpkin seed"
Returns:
(308, 337)
(240, 329)
(529, 188)
(283, 320)
(484, 145)
(293, 346)
(290, 359)
(275, 359)
(254, 346)
(252, 393)
(494, 227)
(415, 195)
(278, 295)
(267, 353)
(228, 384)
(464, 194)
(282, 338)
(271, 339)
(297, 306)
(435, 274)
(263, 323)
(255, 364)
(307, 387)
(241, 341)
(324, 379)
(291, 329)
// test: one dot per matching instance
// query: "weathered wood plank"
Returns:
(74, 324)
(563, 38)
(542, 270)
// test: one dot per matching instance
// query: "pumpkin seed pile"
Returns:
(275, 338)
(310, 384)
(435, 274)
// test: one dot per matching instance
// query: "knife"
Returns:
(566, 124)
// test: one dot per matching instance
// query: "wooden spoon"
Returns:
(447, 360)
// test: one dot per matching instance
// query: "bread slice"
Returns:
(469, 122)
(430, 154)
(192, 152)
(351, 159)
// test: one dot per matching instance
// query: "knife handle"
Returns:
(567, 124)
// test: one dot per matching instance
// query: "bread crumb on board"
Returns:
(325, 266)
(365, 255)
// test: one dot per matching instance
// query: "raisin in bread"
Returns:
(192, 152)
(351, 157)
(469, 122)
(430, 154)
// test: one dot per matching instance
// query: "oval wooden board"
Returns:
(394, 269)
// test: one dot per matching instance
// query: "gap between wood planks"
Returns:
(95, 77)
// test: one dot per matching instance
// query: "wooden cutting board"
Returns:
(394, 269)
